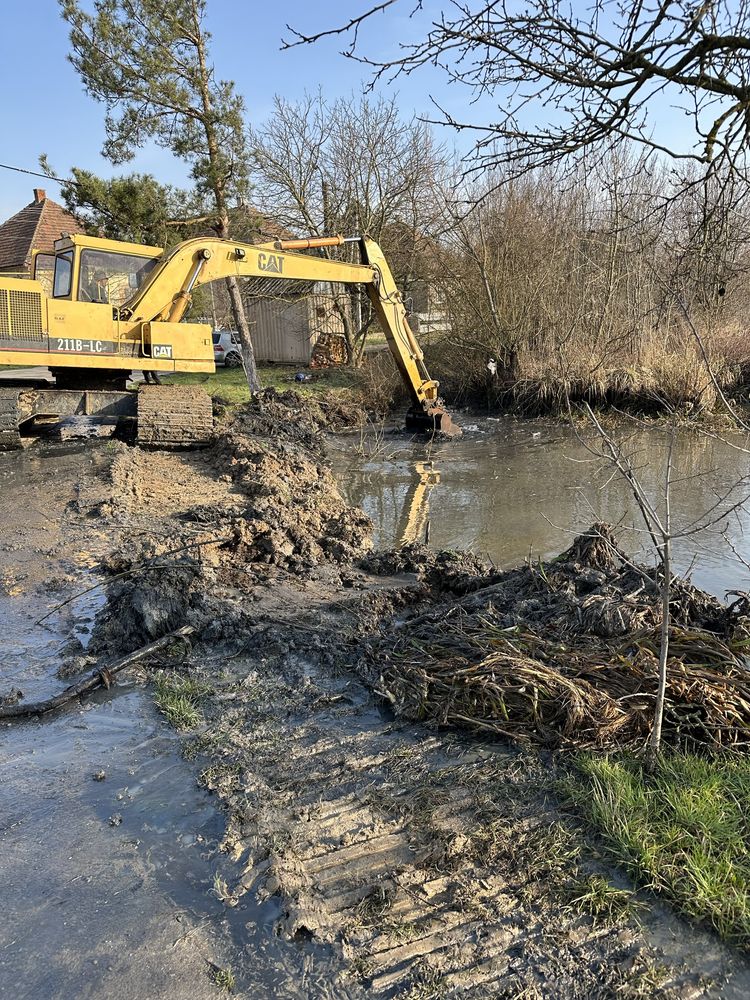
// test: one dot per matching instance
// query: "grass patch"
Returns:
(683, 831)
(230, 385)
(179, 698)
(223, 978)
(600, 899)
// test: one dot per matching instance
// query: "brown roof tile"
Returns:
(35, 227)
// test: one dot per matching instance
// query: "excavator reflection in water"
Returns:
(414, 523)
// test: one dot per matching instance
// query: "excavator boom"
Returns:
(197, 262)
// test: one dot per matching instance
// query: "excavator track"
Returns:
(172, 416)
(12, 414)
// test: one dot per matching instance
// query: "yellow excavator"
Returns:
(96, 309)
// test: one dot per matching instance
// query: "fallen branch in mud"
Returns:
(101, 677)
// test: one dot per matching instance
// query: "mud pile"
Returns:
(288, 416)
(441, 571)
(274, 512)
(295, 516)
(565, 653)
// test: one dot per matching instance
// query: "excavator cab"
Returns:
(87, 269)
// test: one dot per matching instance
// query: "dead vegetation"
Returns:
(565, 653)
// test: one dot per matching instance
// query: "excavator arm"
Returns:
(165, 297)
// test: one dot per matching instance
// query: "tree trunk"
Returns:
(240, 320)
(248, 352)
(666, 588)
(347, 328)
(654, 747)
(222, 228)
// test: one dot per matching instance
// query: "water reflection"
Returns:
(514, 487)
(414, 523)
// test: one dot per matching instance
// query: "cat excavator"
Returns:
(96, 309)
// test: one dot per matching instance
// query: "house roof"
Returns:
(35, 227)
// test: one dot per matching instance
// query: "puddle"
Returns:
(510, 487)
(113, 880)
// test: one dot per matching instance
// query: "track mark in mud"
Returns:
(429, 864)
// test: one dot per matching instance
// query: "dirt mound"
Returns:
(290, 417)
(444, 570)
(565, 653)
(295, 516)
(252, 507)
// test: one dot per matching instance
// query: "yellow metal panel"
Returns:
(116, 246)
(47, 359)
(195, 366)
(82, 320)
(188, 341)
(21, 284)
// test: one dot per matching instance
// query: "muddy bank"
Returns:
(110, 849)
(428, 862)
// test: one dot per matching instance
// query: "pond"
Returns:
(510, 489)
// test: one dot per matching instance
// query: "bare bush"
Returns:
(350, 166)
(576, 288)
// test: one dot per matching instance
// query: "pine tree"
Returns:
(148, 62)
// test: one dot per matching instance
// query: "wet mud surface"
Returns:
(342, 851)
(109, 846)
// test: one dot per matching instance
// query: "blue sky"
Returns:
(46, 110)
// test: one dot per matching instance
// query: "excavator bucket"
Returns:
(432, 420)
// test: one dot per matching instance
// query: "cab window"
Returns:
(106, 276)
(63, 275)
(44, 270)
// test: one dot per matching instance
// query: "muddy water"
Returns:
(512, 487)
(107, 886)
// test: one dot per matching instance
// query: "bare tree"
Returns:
(576, 78)
(622, 453)
(353, 166)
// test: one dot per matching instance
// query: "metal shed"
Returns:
(287, 330)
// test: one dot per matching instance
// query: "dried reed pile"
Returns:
(566, 653)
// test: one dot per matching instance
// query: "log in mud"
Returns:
(103, 676)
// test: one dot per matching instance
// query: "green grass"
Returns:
(597, 896)
(223, 978)
(229, 384)
(179, 699)
(683, 831)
